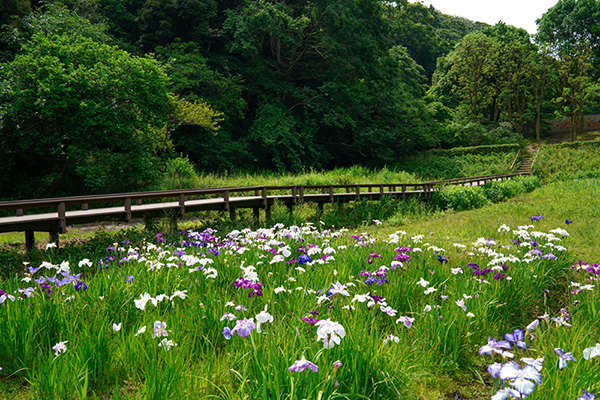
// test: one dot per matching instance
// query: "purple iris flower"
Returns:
(302, 365)
(227, 333)
(442, 259)
(79, 285)
(587, 396)
(570, 222)
(517, 338)
(303, 259)
(370, 280)
(372, 256)
(495, 346)
(310, 320)
(563, 357)
(498, 276)
(33, 270)
(402, 257)
(243, 327)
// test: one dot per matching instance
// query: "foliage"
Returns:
(439, 164)
(80, 114)
(457, 151)
(571, 31)
(412, 28)
(50, 19)
(576, 160)
(570, 24)
(461, 198)
(502, 190)
(11, 10)
(488, 82)
(161, 22)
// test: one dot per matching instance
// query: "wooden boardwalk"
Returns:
(53, 215)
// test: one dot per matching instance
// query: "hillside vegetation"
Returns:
(102, 96)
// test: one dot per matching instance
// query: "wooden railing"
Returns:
(73, 210)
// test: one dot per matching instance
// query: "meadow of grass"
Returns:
(439, 165)
(181, 174)
(405, 306)
(428, 166)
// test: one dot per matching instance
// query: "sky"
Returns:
(520, 13)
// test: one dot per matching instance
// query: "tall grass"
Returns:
(577, 160)
(436, 167)
(442, 164)
(186, 178)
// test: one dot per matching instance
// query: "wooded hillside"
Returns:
(103, 95)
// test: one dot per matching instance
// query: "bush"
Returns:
(459, 151)
(502, 190)
(461, 162)
(460, 198)
(180, 174)
(577, 160)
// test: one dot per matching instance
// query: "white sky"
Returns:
(520, 13)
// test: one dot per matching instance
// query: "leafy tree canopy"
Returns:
(77, 113)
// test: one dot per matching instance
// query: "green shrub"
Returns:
(502, 190)
(180, 174)
(460, 198)
(576, 160)
(455, 163)
(459, 151)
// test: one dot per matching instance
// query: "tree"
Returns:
(568, 25)
(571, 31)
(10, 10)
(51, 19)
(80, 114)
(411, 26)
(513, 64)
(578, 88)
(161, 21)
(471, 67)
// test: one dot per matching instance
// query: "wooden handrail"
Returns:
(127, 199)
(515, 160)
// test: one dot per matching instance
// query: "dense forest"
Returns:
(101, 96)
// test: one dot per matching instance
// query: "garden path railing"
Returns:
(53, 215)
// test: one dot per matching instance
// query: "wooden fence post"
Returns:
(127, 206)
(62, 218)
(181, 205)
(29, 240)
(226, 200)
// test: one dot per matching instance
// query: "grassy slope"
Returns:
(576, 200)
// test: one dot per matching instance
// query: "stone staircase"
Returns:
(528, 160)
(525, 166)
